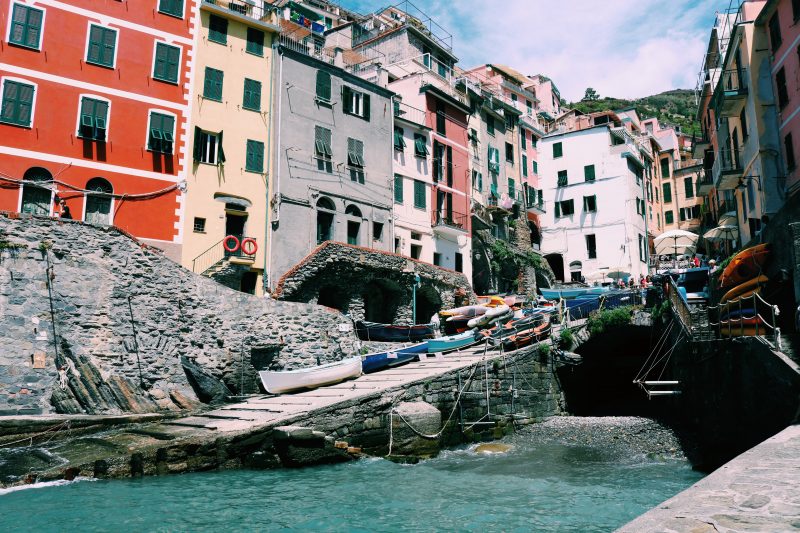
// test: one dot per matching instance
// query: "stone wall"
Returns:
(92, 286)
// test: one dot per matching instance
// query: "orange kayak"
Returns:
(748, 286)
(745, 265)
(732, 305)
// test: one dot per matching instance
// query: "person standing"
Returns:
(65, 212)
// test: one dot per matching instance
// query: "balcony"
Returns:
(535, 205)
(731, 91)
(259, 11)
(513, 87)
(704, 183)
(727, 169)
(409, 114)
(700, 144)
(449, 223)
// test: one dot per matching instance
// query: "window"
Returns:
(37, 199)
(102, 46)
(398, 189)
(254, 162)
(26, 26)
(167, 63)
(416, 236)
(523, 139)
(535, 165)
(377, 231)
(590, 204)
(420, 145)
(459, 262)
(490, 125)
(441, 123)
(94, 119)
(588, 173)
(775, 32)
(437, 259)
(667, 193)
(642, 249)
(743, 121)
(665, 168)
(668, 219)
(524, 165)
(98, 201)
(208, 147)
(688, 187)
(494, 160)
(17, 103)
(783, 95)
(529, 106)
(438, 161)
(512, 188)
(355, 103)
(419, 194)
(565, 208)
(199, 225)
(789, 146)
(218, 29)
(255, 42)
(323, 86)
(171, 7)
(477, 180)
(510, 153)
(591, 246)
(562, 178)
(416, 251)
(212, 86)
(325, 211)
(161, 131)
(355, 159)
(656, 190)
(322, 149)
(399, 141)
(472, 136)
(252, 95)
(796, 10)
(640, 206)
(353, 225)
(510, 120)
(558, 150)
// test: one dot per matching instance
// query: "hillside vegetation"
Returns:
(676, 107)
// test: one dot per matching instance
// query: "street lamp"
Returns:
(417, 283)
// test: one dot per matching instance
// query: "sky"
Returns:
(621, 48)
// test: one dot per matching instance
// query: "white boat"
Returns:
(311, 377)
(487, 317)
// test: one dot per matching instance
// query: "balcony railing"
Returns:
(450, 219)
(353, 61)
(413, 17)
(257, 10)
(536, 204)
(732, 88)
(704, 182)
(411, 114)
(519, 90)
(727, 168)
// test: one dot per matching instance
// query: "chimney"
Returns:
(338, 57)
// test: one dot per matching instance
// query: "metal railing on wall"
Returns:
(746, 316)
(680, 307)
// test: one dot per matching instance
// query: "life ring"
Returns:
(254, 248)
(235, 247)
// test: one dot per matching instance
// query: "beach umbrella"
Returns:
(618, 274)
(727, 219)
(722, 233)
(675, 242)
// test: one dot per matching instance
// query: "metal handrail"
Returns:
(250, 10)
(680, 307)
(451, 219)
(217, 253)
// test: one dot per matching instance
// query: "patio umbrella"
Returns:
(727, 219)
(675, 242)
(598, 275)
(722, 233)
(618, 274)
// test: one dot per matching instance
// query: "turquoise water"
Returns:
(534, 487)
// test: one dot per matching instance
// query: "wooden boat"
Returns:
(527, 337)
(379, 360)
(311, 377)
(456, 324)
(748, 286)
(452, 342)
(467, 310)
(373, 331)
(745, 265)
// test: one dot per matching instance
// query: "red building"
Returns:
(95, 110)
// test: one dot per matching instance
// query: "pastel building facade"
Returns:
(95, 111)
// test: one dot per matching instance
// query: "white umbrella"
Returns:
(675, 242)
(722, 233)
(618, 274)
(727, 219)
(598, 275)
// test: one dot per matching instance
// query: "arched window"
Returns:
(353, 224)
(325, 214)
(98, 201)
(37, 197)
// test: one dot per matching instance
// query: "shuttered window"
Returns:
(255, 156)
(355, 103)
(218, 29)
(419, 194)
(588, 173)
(171, 7)
(562, 178)
(558, 150)
(26, 26)
(252, 95)
(668, 217)
(167, 63)
(420, 145)
(524, 165)
(255, 41)
(102, 46)
(208, 147)
(17, 103)
(323, 86)
(494, 160)
(399, 141)
(212, 86)
(322, 149)
(161, 131)
(667, 193)
(398, 189)
(355, 158)
(535, 165)
(94, 117)
(688, 187)
(590, 203)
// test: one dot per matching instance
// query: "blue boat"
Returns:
(571, 292)
(373, 331)
(379, 360)
(453, 342)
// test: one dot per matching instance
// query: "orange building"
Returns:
(95, 111)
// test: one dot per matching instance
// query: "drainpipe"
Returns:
(267, 240)
(391, 175)
(277, 173)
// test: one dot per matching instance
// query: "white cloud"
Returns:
(623, 48)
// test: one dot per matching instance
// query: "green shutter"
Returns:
(524, 164)
(94, 117)
(512, 188)
(558, 209)
(323, 86)
(523, 134)
(218, 29)
(562, 178)
(480, 182)
(167, 64)
(254, 161)
(667, 193)
(220, 151)
(558, 150)
(347, 100)
(665, 168)
(198, 144)
(212, 86)
(26, 26)
(399, 141)
(252, 95)
(449, 176)
(420, 145)
(688, 188)
(419, 194)
(366, 106)
(102, 44)
(536, 167)
(255, 41)
(171, 7)
(588, 172)
(17, 103)
(322, 141)
(668, 217)
(398, 189)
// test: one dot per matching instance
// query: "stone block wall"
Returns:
(71, 295)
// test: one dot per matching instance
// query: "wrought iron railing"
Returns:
(217, 253)
(734, 81)
(406, 112)
(257, 10)
(450, 219)
(680, 306)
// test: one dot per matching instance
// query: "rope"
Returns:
(54, 428)
(153, 194)
(654, 351)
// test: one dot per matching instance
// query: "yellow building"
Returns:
(227, 185)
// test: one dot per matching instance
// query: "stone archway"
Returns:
(429, 303)
(556, 262)
(381, 300)
(335, 297)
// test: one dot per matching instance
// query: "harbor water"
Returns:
(566, 475)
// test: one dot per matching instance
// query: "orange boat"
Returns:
(745, 289)
(735, 303)
(744, 266)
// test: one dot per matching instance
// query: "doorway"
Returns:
(235, 221)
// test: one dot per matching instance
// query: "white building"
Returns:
(595, 194)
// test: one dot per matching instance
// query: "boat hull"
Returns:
(373, 331)
(452, 342)
(745, 265)
(746, 287)
(312, 377)
(379, 360)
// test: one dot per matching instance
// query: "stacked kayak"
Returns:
(745, 266)
(744, 279)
